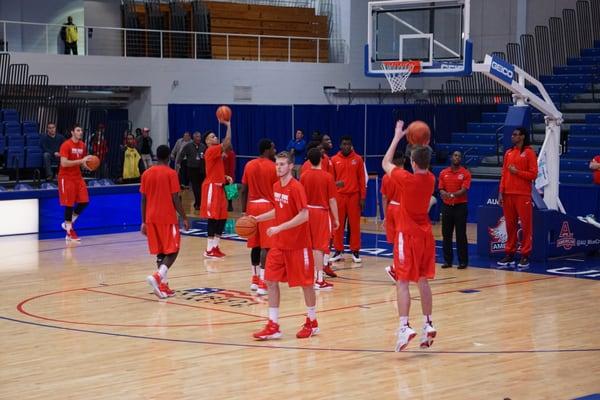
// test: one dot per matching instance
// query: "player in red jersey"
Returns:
(416, 247)
(160, 205)
(71, 186)
(320, 193)
(391, 199)
(290, 260)
(257, 198)
(214, 204)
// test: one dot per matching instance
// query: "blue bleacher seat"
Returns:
(11, 128)
(29, 127)
(481, 138)
(32, 139)
(585, 140)
(592, 119)
(2, 144)
(576, 177)
(10, 115)
(33, 157)
(15, 158)
(15, 141)
(580, 129)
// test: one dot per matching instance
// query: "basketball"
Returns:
(245, 227)
(418, 133)
(93, 163)
(223, 113)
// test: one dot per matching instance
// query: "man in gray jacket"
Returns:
(179, 145)
(194, 153)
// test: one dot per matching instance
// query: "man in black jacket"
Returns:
(193, 152)
(50, 144)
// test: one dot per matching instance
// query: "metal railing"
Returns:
(31, 37)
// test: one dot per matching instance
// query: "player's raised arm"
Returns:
(399, 133)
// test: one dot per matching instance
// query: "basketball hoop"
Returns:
(398, 72)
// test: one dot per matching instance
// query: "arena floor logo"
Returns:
(226, 297)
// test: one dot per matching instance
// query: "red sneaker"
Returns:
(262, 288)
(329, 271)
(308, 329)
(212, 253)
(154, 281)
(164, 287)
(255, 282)
(270, 331)
(72, 236)
(323, 285)
(218, 252)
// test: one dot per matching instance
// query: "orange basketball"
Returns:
(245, 227)
(223, 113)
(93, 163)
(418, 133)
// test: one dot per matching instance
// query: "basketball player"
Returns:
(320, 194)
(390, 196)
(519, 170)
(415, 259)
(350, 176)
(213, 205)
(71, 186)
(257, 198)
(290, 260)
(160, 205)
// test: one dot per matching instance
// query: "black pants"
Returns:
(196, 176)
(71, 47)
(184, 180)
(455, 217)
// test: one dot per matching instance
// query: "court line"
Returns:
(270, 347)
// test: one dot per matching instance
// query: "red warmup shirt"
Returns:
(526, 163)
(416, 190)
(289, 201)
(215, 167)
(159, 183)
(597, 172)
(326, 165)
(452, 181)
(319, 186)
(351, 170)
(390, 189)
(260, 176)
(71, 151)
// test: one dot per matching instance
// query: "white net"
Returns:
(397, 75)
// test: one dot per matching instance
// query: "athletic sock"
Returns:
(312, 313)
(427, 319)
(68, 225)
(274, 314)
(75, 216)
(209, 244)
(162, 271)
(254, 269)
(325, 259)
(403, 321)
(216, 241)
(261, 273)
(319, 276)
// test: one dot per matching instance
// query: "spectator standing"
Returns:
(297, 147)
(193, 152)
(50, 144)
(69, 36)
(182, 168)
(131, 162)
(144, 147)
(100, 150)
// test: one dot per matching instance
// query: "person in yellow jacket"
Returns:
(131, 162)
(69, 36)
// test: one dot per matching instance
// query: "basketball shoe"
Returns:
(218, 251)
(403, 336)
(507, 261)
(323, 285)
(391, 272)
(356, 257)
(329, 271)
(427, 335)
(337, 256)
(309, 329)
(154, 281)
(164, 288)
(213, 253)
(255, 282)
(262, 288)
(270, 331)
(71, 235)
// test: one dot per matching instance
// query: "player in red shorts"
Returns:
(213, 206)
(320, 193)
(391, 199)
(160, 205)
(415, 260)
(257, 198)
(71, 186)
(290, 260)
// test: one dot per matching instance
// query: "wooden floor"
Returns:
(80, 322)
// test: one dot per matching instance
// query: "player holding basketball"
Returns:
(320, 193)
(415, 259)
(391, 199)
(71, 186)
(257, 198)
(214, 204)
(350, 176)
(160, 205)
(519, 170)
(291, 259)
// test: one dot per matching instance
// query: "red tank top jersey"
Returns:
(389, 189)
(71, 151)
(260, 176)
(215, 166)
(159, 183)
(289, 201)
(417, 190)
(319, 186)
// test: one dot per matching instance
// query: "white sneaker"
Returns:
(154, 281)
(404, 336)
(337, 256)
(356, 257)
(391, 273)
(591, 220)
(427, 335)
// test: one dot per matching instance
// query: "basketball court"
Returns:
(78, 320)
